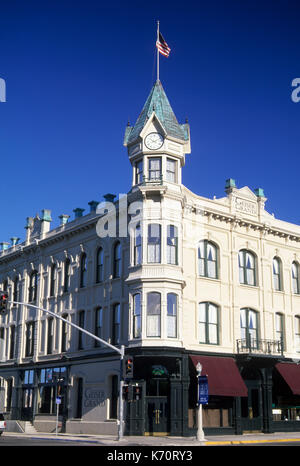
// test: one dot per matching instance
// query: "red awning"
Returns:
(291, 374)
(224, 378)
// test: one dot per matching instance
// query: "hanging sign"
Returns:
(202, 389)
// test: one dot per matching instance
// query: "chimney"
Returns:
(78, 212)
(109, 197)
(64, 219)
(4, 246)
(14, 240)
(93, 205)
(45, 221)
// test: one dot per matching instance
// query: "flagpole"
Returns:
(157, 51)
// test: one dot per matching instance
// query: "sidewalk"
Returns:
(110, 440)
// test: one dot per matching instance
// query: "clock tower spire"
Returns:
(157, 143)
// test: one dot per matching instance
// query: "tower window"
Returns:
(154, 168)
(171, 170)
(154, 243)
(139, 172)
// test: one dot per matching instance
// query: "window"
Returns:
(5, 285)
(29, 344)
(137, 253)
(52, 279)
(33, 287)
(153, 314)
(83, 270)
(279, 322)
(208, 323)
(297, 334)
(249, 328)
(80, 334)
(171, 170)
(137, 324)
(99, 265)
(207, 259)
(139, 172)
(154, 243)
(67, 276)
(50, 328)
(98, 325)
(117, 266)
(116, 320)
(64, 334)
(247, 272)
(295, 277)
(172, 315)
(16, 289)
(172, 245)
(277, 274)
(12, 342)
(154, 168)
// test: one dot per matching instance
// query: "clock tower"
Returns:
(157, 143)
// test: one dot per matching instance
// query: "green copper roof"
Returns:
(159, 103)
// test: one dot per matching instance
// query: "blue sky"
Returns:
(76, 71)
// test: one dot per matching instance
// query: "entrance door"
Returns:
(157, 415)
(27, 404)
(252, 407)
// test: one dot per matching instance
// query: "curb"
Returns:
(251, 442)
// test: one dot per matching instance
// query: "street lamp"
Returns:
(200, 433)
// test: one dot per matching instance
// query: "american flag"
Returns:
(162, 46)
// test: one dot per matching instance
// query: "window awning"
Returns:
(291, 374)
(224, 378)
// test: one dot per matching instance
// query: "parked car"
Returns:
(2, 424)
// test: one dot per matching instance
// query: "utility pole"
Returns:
(120, 350)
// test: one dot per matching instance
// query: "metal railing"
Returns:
(152, 181)
(258, 346)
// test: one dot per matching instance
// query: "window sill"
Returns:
(218, 280)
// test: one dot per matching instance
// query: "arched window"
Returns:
(67, 275)
(153, 314)
(208, 323)
(50, 335)
(247, 267)
(81, 318)
(207, 259)
(297, 334)
(249, 328)
(136, 316)
(279, 323)
(117, 265)
(52, 279)
(99, 265)
(277, 281)
(172, 245)
(172, 304)
(64, 334)
(116, 321)
(16, 289)
(295, 277)
(98, 325)
(83, 270)
(33, 286)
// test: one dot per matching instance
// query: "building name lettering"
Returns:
(245, 206)
(94, 398)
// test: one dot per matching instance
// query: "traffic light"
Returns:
(129, 367)
(137, 392)
(3, 302)
(125, 392)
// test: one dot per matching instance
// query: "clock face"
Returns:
(154, 141)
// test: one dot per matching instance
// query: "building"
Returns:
(175, 277)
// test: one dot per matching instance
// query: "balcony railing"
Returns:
(255, 346)
(153, 180)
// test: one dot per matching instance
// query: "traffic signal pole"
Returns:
(120, 350)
